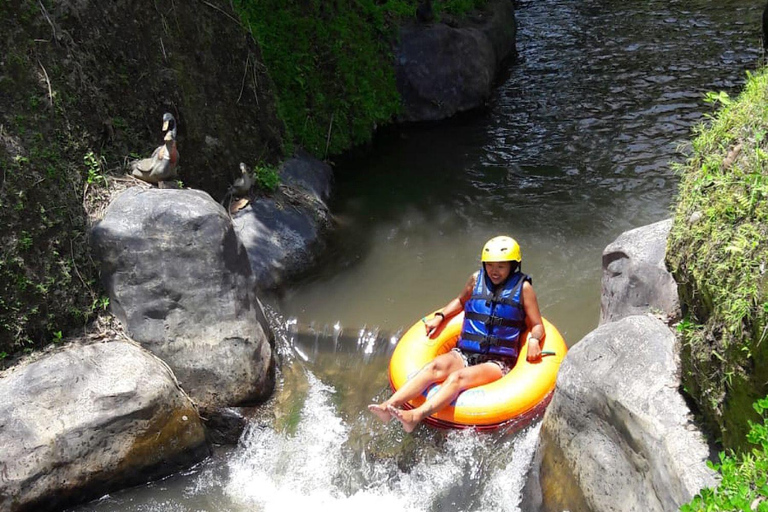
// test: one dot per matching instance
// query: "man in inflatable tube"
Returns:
(499, 304)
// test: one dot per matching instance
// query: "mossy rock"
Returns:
(718, 253)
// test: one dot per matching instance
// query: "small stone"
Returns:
(695, 217)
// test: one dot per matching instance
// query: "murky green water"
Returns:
(573, 149)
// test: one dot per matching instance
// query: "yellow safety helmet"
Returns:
(501, 248)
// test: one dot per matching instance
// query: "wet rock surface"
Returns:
(89, 419)
(284, 233)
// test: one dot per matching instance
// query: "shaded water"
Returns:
(573, 149)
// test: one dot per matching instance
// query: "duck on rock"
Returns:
(237, 196)
(161, 166)
(242, 185)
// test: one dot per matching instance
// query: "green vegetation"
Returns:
(744, 484)
(718, 252)
(266, 177)
(48, 279)
(44, 254)
(94, 167)
(332, 64)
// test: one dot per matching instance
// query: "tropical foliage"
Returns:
(332, 64)
(744, 484)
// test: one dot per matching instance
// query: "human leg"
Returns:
(456, 382)
(436, 370)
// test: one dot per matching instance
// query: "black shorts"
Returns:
(505, 363)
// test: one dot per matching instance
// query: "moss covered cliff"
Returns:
(83, 87)
(718, 253)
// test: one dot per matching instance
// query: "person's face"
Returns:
(498, 271)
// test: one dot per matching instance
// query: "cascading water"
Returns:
(309, 454)
(319, 457)
(316, 468)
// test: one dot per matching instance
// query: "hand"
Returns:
(432, 323)
(534, 349)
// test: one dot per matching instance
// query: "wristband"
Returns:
(441, 314)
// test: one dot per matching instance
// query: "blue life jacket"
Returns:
(494, 319)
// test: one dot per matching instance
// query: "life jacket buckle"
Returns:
(488, 342)
(494, 321)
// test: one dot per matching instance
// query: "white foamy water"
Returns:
(506, 484)
(276, 471)
(313, 468)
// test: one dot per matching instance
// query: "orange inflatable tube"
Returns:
(513, 400)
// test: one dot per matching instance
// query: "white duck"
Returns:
(242, 185)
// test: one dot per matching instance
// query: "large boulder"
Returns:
(442, 70)
(635, 278)
(180, 282)
(618, 435)
(89, 419)
(283, 233)
(308, 174)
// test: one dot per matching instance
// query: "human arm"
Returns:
(454, 307)
(533, 319)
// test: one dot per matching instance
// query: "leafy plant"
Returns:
(744, 478)
(47, 274)
(717, 97)
(100, 304)
(334, 72)
(334, 76)
(266, 177)
(685, 325)
(94, 167)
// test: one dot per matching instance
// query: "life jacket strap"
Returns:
(496, 298)
(491, 321)
(485, 341)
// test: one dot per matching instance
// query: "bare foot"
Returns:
(381, 412)
(404, 417)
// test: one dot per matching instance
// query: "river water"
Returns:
(573, 148)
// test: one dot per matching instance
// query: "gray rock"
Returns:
(283, 234)
(180, 282)
(441, 70)
(617, 435)
(635, 278)
(309, 174)
(226, 426)
(90, 419)
(500, 27)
